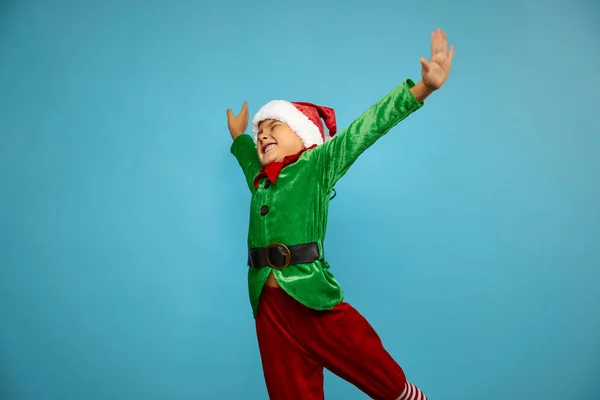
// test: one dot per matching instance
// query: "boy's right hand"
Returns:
(239, 123)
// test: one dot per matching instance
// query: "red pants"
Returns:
(296, 343)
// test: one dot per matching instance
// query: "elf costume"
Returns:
(304, 325)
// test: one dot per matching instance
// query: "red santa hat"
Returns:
(303, 118)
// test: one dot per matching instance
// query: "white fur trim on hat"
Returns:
(287, 113)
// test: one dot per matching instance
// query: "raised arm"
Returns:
(243, 147)
(338, 154)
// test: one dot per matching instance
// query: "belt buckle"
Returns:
(288, 255)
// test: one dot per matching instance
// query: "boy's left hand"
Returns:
(435, 71)
(237, 124)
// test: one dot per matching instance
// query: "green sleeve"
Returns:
(338, 154)
(244, 150)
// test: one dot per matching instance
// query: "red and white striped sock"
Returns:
(411, 392)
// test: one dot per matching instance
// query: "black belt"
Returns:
(280, 256)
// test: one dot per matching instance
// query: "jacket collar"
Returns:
(272, 170)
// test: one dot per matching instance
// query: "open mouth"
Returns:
(269, 147)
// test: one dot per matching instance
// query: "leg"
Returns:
(290, 372)
(347, 345)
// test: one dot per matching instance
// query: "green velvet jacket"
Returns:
(299, 200)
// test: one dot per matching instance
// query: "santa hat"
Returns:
(303, 118)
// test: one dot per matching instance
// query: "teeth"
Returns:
(269, 147)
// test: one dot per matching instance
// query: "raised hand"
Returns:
(239, 123)
(436, 70)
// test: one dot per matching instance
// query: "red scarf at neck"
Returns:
(272, 170)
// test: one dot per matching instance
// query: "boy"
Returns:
(291, 165)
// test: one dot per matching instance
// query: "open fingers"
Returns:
(243, 112)
(440, 41)
(434, 42)
(443, 41)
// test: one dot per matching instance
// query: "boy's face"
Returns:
(275, 141)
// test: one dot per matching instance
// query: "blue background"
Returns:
(124, 215)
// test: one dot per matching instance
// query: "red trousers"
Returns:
(296, 344)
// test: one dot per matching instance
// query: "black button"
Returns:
(267, 184)
(264, 210)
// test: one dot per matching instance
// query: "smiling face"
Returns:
(275, 141)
